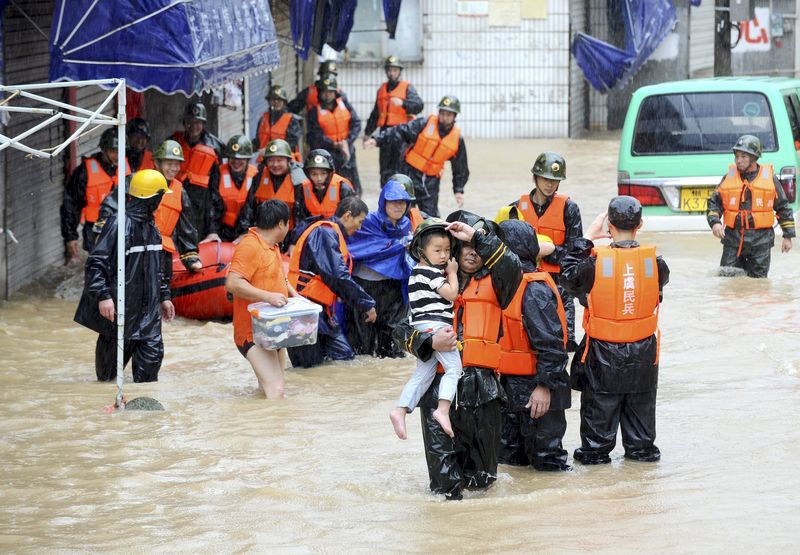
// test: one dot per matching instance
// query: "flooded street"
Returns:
(223, 471)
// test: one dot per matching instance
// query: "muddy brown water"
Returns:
(222, 470)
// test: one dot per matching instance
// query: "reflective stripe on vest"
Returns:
(98, 185)
(330, 202)
(307, 283)
(335, 124)
(390, 115)
(233, 197)
(430, 151)
(516, 357)
(762, 198)
(268, 132)
(168, 214)
(551, 223)
(623, 302)
(266, 191)
(199, 159)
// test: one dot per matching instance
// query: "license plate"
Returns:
(695, 199)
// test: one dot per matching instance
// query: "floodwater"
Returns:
(222, 470)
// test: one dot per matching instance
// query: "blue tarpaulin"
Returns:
(171, 45)
(316, 23)
(646, 24)
(391, 11)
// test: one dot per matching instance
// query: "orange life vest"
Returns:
(168, 213)
(147, 161)
(98, 185)
(234, 198)
(312, 98)
(266, 191)
(390, 115)
(480, 321)
(431, 151)
(416, 217)
(551, 223)
(516, 357)
(335, 124)
(330, 203)
(198, 161)
(762, 196)
(309, 284)
(623, 302)
(268, 132)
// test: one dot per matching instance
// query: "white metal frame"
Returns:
(85, 118)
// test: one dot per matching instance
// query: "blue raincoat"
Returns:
(381, 245)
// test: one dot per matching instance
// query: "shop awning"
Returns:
(171, 45)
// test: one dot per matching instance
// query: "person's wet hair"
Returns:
(428, 235)
(270, 213)
(354, 205)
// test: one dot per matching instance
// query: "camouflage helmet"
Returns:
(319, 158)
(624, 212)
(392, 61)
(450, 103)
(239, 147)
(276, 91)
(550, 166)
(327, 67)
(749, 144)
(169, 150)
(195, 110)
(327, 83)
(109, 139)
(138, 125)
(406, 182)
(278, 147)
(428, 225)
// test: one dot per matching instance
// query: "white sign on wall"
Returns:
(754, 34)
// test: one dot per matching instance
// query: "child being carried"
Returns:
(432, 288)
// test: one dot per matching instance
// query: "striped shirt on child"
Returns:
(427, 305)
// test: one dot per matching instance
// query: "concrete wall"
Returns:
(780, 58)
(512, 81)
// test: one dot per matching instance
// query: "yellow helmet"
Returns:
(147, 184)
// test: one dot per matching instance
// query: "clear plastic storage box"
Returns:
(292, 325)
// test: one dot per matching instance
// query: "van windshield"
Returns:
(701, 122)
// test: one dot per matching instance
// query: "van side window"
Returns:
(793, 109)
(701, 122)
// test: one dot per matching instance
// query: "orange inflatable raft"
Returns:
(202, 295)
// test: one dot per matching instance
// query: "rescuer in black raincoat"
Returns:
(527, 440)
(617, 381)
(320, 256)
(745, 245)
(147, 296)
(470, 458)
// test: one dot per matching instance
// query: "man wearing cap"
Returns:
(742, 211)
(85, 190)
(273, 181)
(200, 171)
(236, 179)
(308, 98)
(147, 295)
(552, 214)
(320, 194)
(433, 142)
(278, 123)
(138, 135)
(334, 126)
(397, 102)
(616, 365)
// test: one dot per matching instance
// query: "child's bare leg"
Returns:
(268, 369)
(442, 416)
(398, 418)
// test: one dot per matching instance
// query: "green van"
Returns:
(677, 138)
